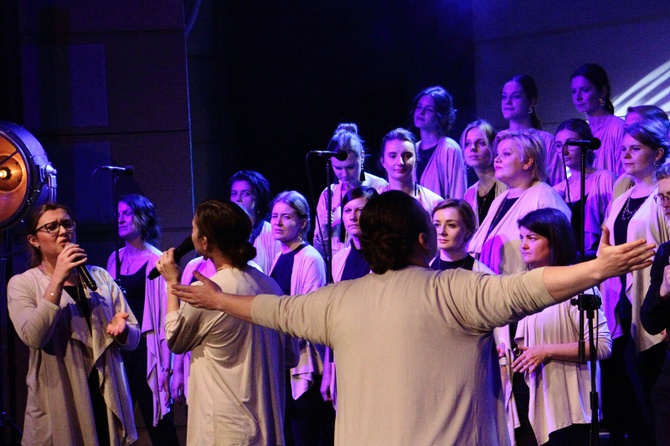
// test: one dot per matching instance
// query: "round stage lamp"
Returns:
(26, 176)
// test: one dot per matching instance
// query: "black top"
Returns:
(621, 222)
(283, 269)
(624, 309)
(78, 293)
(442, 265)
(656, 311)
(134, 286)
(484, 203)
(423, 156)
(576, 208)
(355, 266)
(505, 206)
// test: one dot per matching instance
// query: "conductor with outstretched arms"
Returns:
(414, 347)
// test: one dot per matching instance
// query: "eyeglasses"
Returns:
(53, 226)
(661, 199)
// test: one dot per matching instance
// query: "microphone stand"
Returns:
(587, 304)
(329, 205)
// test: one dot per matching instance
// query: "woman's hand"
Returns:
(531, 358)
(168, 267)
(502, 350)
(177, 386)
(665, 285)
(69, 258)
(117, 326)
(164, 376)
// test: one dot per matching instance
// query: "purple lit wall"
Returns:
(107, 84)
(550, 39)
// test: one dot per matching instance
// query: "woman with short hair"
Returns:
(455, 223)
(519, 164)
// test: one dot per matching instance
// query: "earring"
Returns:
(362, 177)
(601, 101)
(530, 110)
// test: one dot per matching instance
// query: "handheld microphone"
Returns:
(85, 276)
(592, 143)
(339, 155)
(127, 170)
(179, 252)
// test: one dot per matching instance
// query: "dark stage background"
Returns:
(188, 92)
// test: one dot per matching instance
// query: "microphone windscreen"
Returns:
(184, 248)
(341, 155)
(180, 251)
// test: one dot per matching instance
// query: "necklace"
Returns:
(130, 263)
(626, 214)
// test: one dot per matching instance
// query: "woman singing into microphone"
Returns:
(77, 390)
(349, 174)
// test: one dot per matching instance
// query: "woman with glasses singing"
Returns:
(440, 165)
(77, 389)
(637, 356)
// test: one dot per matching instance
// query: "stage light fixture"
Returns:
(27, 179)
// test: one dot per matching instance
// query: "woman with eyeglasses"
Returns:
(77, 389)
(598, 184)
(439, 165)
(637, 356)
(655, 312)
(149, 366)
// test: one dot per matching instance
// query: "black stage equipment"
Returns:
(27, 180)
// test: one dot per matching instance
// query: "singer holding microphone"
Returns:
(571, 136)
(237, 379)
(348, 166)
(149, 367)
(77, 389)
